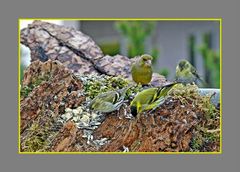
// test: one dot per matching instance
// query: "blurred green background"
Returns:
(166, 41)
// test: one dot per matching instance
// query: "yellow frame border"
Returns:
(119, 19)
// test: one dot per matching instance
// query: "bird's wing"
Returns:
(194, 72)
(148, 96)
(109, 107)
(110, 96)
(155, 104)
(105, 107)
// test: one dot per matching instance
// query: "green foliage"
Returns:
(211, 61)
(136, 33)
(164, 71)
(110, 48)
(155, 54)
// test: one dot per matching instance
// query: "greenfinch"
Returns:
(186, 73)
(149, 99)
(108, 101)
(142, 70)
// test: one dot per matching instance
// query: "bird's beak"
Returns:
(148, 62)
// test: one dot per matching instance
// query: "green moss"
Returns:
(94, 84)
(197, 142)
(37, 138)
(211, 137)
(210, 120)
(186, 91)
(202, 138)
(24, 92)
(189, 94)
(165, 72)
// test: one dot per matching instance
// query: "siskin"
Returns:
(108, 101)
(142, 70)
(186, 73)
(149, 99)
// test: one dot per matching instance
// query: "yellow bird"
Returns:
(186, 73)
(149, 99)
(142, 70)
(108, 101)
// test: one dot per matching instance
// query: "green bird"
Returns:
(108, 101)
(142, 70)
(186, 73)
(149, 99)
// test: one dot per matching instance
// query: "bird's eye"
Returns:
(144, 59)
(181, 65)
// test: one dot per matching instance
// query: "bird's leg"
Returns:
(125, 114)
(145, 114)
(118, 111)
(118, 114)
(138, 116)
